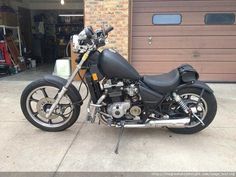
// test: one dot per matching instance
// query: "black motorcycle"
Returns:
(119, 96)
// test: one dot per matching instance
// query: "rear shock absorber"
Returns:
(186, 109)
(179, 100)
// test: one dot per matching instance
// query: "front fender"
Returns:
(60, 82)
(197, 84)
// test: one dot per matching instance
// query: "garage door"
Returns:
(168, 33)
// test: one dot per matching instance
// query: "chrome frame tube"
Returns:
(96, 106)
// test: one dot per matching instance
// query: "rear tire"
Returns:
(41, 83)
(211, 112)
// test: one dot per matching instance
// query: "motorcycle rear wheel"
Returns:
(34, 107)
(210, 105)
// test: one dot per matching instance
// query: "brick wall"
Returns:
(112, 12)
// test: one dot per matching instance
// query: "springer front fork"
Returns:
(65, 87)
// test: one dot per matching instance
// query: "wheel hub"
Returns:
(43, 107)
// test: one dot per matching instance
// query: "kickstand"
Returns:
(119, 138)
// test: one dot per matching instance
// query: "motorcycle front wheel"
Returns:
(204, 105)
(36, 100)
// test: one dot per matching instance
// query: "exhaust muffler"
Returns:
(170, 123)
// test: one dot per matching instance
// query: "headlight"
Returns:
(77, 39)
(80, 40)
(82, 35)
(75, 43)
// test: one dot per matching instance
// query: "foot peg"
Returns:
(89, 117)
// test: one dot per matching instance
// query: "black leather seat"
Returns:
(163, 83)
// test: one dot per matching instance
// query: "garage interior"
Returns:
(35, 33)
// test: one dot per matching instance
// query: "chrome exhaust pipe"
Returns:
(170, 123)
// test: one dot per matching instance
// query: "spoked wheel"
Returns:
(37, 99)
(203, 106)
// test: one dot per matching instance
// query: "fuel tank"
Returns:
(113, 65)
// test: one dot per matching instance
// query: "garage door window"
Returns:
(166, 19)
(220, 19)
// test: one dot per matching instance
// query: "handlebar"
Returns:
(88, 39)
(109, 29)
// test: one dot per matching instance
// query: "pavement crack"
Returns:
(67, 150)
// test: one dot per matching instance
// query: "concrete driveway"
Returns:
(89, 147)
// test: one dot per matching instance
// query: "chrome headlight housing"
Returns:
(77, 40)
(80, 41)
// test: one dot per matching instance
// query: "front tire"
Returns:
(211, 105)
(31, 109)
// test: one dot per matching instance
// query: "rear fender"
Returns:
(197, 84)
(60, 82)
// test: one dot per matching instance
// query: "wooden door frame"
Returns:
(130, 25)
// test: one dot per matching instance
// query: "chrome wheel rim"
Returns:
(40, 100)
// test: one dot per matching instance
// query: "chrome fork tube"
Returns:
(65, 88)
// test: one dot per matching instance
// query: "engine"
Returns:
(123, 99)
(119, 109)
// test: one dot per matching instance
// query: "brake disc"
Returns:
(44, 105)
